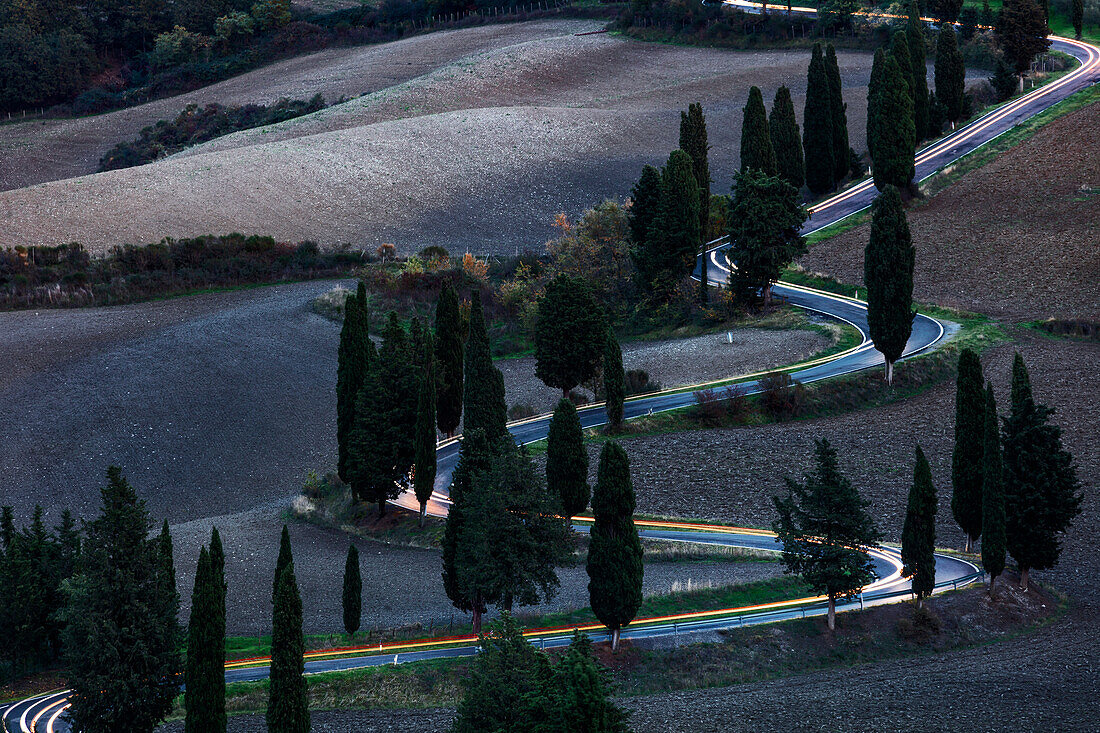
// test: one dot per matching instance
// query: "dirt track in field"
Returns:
(477, 143)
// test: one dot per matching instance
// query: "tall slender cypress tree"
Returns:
(645, 199)
(475, 456)
(1022, 32)
(288, 698)
(839, 115)
(914, 31)
(352, 598)
(205, 676)
(674, 237)
(1077, 17)
(891, 136)
(286, 557)
(817, 127)
(966, 459)
(756, 141)
(614, 381)
(614, 552)
(899, 49)
(950, 74)
(424, 459)
(567, 459)
(918, 537)
(786, 139)
(765, 218)
(1042, 492)
(483, 404)
(993, 499)
(888, 274)
(693, 141)
(353, 362)
(448, 356)
(217, 570)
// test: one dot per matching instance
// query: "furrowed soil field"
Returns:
(480, 139)
(1017, 238)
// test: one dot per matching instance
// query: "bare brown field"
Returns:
(477, 147)
(1018, 238)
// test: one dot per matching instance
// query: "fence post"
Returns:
(861, 600)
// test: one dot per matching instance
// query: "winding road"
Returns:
(46, 713)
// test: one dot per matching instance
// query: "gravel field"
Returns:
(678, 362)
(478, 146)
(401, 585)
(1018, 251)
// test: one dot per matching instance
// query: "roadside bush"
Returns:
(637, 382)
(921, 626)
(715, 407)
(521, 411)
(781, 396)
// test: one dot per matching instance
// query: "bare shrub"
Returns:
(781, 396)
(637, 382)
(520, 411)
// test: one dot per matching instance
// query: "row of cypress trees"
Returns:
(1014, 485)
(825, 137)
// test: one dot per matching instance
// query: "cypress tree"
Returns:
(567, 460)
(839, 115)
(569, 334)
(167, 594)
(966, 459)
(448, 357)
(1042, 492)
(693, 141)
(286, 557)
(7, 527)
(950, 74)
(288, 699)
(424, 459)
(205, 675)
(1022, 32)
(614, 551)
(217, 568)
(614, 381)
(786, 139)
(645, 199)
(756, 141)
(353, 361)
(918, 537)
(483, 388)
(475, 455)
(914, 31)
(993, 500)
(823, 524)
(674, 237)
(352, 599)
(1078, 17)
(765, 219)
(891, 136)
(120, 644)
(817, 127)
(899, 49)
(888, 275)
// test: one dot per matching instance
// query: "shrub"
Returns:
(637, 382)
(179, 46)
(709, 408)
(94, 101)
(233, 25)
(921, 626)
(520, 411)
(781, 396)
(434, 252)
(271, 14)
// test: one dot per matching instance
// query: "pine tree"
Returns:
(424, 459)
(614, 382)
(448, 356)
(353, 361)
(757, 152)
(512, 536)
(891, 136)
(786, 139)
(286, 557)
(817, 127)
(918, 537)
(693, 141)
(119, 646)
(567, 460)
(674, 237)
(1041, 489)
(914, 31)
(569, 334)
(950, 74)
(475, 455)
(483, 402)
(993, 500)
(1022, 33)
(205, 675)
(1078, 17)
(823, 525)
(765, 218)
(352, 599)
(614, 551)
(888, 275)
(839, 115)
(645, 199)
(288, 699)
(217, 567)
(585, 690)
(966, 459)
